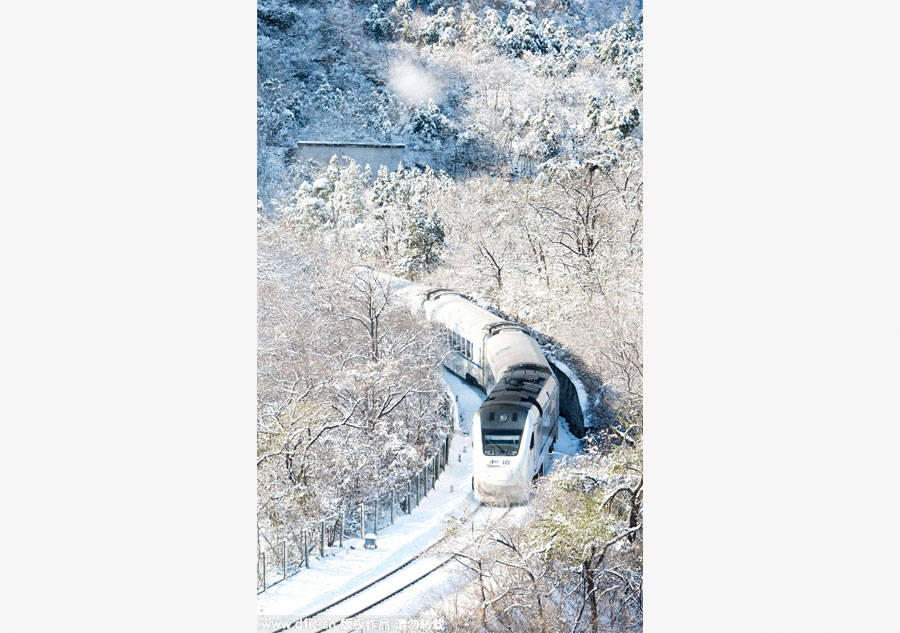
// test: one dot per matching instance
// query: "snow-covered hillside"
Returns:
(493, 87)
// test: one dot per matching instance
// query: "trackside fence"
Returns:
(289, 557)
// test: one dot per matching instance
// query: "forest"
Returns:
(521, 187)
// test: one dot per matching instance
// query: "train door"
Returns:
(533, 449)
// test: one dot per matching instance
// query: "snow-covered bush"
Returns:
(576, 559)
(590, 513)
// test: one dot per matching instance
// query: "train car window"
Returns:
(468, 349)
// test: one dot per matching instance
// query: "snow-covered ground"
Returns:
(346, 570)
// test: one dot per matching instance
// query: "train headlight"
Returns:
(503, 417)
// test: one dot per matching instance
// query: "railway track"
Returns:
(322, 613)
(374, 604)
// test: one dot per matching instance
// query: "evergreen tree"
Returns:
(429, 124)
(401, 20)
(377, 24)
(345, 204)
(423, 240)
(277, 110)
(621, 47)
(541, 140)
(521, 35)
(610, 118)
(399, 231)
(440, 28)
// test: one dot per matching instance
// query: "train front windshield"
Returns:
(501, 429)
(501, 442)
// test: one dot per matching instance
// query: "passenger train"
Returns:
(517, 425)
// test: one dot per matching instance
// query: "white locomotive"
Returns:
(517, 425)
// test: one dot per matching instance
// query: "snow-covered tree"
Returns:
(377, 24)
(430, 124)
(520, 34)
(541, 135)
(590, 513)
(277, 110)
(423, 240)
(348, 402)
(402, 20)
(609, 117)
(404, 229)
(621, 47)
(345, 203)
(441, 28)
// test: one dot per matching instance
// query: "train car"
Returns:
(516, 427)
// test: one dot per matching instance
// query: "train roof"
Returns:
(512, 347)
(521, 385)
(508, 345)
(461, 315)
(451, 309)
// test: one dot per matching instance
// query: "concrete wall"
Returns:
(569, 406)
(372, 154)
